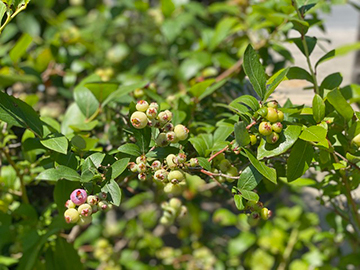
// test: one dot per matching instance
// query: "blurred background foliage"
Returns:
(55, 46)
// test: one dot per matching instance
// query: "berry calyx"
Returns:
(78, 196)
(172, 161)
(92, 199)
(85, 209)
(139, 120)
(161, 175)
(277, 127)
(265, 128)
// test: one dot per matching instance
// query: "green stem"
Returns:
(289, 248)
(21, 178)
(306, 51)
(10, 17)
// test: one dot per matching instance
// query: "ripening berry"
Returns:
(172, 161)
(356, 140)
(141, 158)
(174, 189)
(224, 165)
(92, 199)
(139, 120)
(142, 176)
(272, 104)
(133, 167)
(232, 171)
(161, 175)
(176, 176)
(161, 140)
(151, 113)
(103, 205)
(194, 162)
(181, 158)
(164, 220)
(272, 138)
(183, 211)
(272, 115)
(154, 105)
(85, 209)
(138, 93)
(181, 132)
(253, 139)
(170, 136)
(280, 116)
(169, 114)
(84, 220)
(142, 106)
(70, 204)
(264, 213)
(102, 195)
(265, 128)
(71, 215)
(277, 127)
(168, 127)
(175, 203)
(78, 196)
(141, 167)
(217, 159)
(163, 117)
(156, 165)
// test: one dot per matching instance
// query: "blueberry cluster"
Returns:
(257, 211)
(80, 207)
(169, 172)
(221, 165)
(172, 210)
(149, 115)
(273, 126)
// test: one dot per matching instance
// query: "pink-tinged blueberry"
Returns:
(78, 196)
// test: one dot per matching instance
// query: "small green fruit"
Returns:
(181, 132)
(70, 204)
(262, 111)
(154, 105)
(272, 138)
(172, 161)
(162, 140)
(176, 176)
(138, 93)
(253, 139)
(356, 140)
(156, 165)
(265, 128)
(194, 162)
(85, 209)
(224, 165)
(142, 106)
(161, 175)
(83, 220)
(277, 127)
(139, 120)
(272, 115)
(280, 116)
(92, 199)
(264, 213)
(175, 203)
(272, 104)
(71, 215)
(171, 137)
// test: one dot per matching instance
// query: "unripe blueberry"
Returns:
(142, 105)
(272, 115)
(103, 205)
(174, 189)
(262, 111)
(78, 196)
(265, 128)
(8, 198)
(181, 158)
(161, 140)
(151, 113)
(272, 104)
(139, 120)
(164, 220)
(264, 213)
(71, 215)
(142, 176)
(217, 159)
(168, 127)
(92, 199)
(163, 117)
(154, 105)
(141, 158)
(156, 165)
(150, 123)
(176, 176)
(138, 93)
(272, 138)
(85, 210)
(277, 127)
(253, 206)
(232, 171)
(169, 114)
(280, 116)
(84, 220)
(356, 140)
(141, 167)
(220, 179)
(175, 203)
(133, 167)
(161, 175)
(224, 165)
(183, 211)
(95, 208)
(172, 161)
(255, 215)
(181, 132)
(102, 195)
(253, 139)
(194, 162)
(170, 136)
(70, 204)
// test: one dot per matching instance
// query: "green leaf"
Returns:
(301, 26)
(3, 9)
(298, 73)
(310, 41)
(249, 195)
(60, 172)
(114, 190)
(62, 191)
(118, 167)
(56, 142)
(222, 30)
(299, 160)
(340, 104)
(130, 149)
(287, 138)
(268, 173)
(162, 152)
(198, 89)
(340, 51)
(122, 91)
(167, 7)
(318, 105)
(199, 145)
(247, 100)
(86, 101)
(16, 112)
(274, 81)
(212, 88)
(239, 202)
(20, 47)
(143, 138)
(249, 178)
(313, 134)
(331, 81)
(102, 90)
(255, 71)
(241, 134)
(73, 116)
(203, 162)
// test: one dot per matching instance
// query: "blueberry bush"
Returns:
(145, 135)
